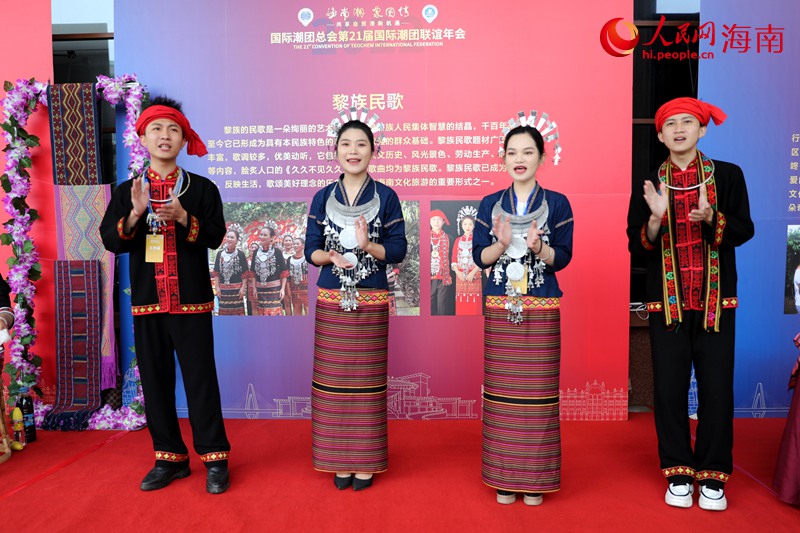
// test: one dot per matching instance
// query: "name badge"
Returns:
(154, 251)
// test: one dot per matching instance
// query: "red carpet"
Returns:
(611, 482)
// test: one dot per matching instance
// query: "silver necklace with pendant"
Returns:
(518, 257)
(340, 235)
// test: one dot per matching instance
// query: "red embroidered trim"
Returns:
(727, 303)
(720, 229)
(121, 230)
(153, 175)
(678, 471)
(146, 309)
(194, 229)
(688, 238)
(195, 308)
(645, 241)
(709, 474)
(215, 456)
(365, 296)
(182, 309)
(672, 300)
(172, 457)
(713, 300)
(528, 302)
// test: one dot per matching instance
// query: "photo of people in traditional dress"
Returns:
(456, 282)
(404, 278)
(298, 278)
(274, 273)
(230, 274)
(441, 279)
(791, 301)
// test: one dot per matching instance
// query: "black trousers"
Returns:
(440, 298)
(712, 354)
(158, 338)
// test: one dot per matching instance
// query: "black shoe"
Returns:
(161, 476)
(218, 479)
(361, 484)
(342, 482)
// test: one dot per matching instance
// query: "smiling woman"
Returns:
(524, 234)
(355, 227)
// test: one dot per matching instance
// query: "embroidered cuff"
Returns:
(194, 229)
(710, 474)
(172, 457)
(678, 471)
(646, 244)
(214, 456)
(121, 230)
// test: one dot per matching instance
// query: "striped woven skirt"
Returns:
(521, 431)
(348, 395)
(230, 303)
(268, 296)
(300, 299)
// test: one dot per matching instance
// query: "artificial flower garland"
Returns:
(19, 103)
(114, 91)
(126, 89)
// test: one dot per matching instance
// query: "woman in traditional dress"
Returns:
(229, 267)
(787, 469)
(441, 281)
(269, 273)
(392, 271)
(298, 274)
(525, 234)
(287, 249)
(468, 275)
(355, 226)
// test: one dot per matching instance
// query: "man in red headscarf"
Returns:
(687, 220)
(166, 220)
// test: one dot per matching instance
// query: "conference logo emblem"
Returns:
(615, 44)
(305, 16)
(430, 12)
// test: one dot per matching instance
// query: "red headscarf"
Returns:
(439, 213)
(702, 111)
(196, 146)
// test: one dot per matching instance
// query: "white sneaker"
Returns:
(679, 495)
(712, 499)
(533, 499)
(505, 497)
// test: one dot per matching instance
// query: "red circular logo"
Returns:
(614, 43)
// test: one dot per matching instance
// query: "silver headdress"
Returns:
(362, 115)
(235, 226)
(541, 122)
(467, 210)
(271, 224)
